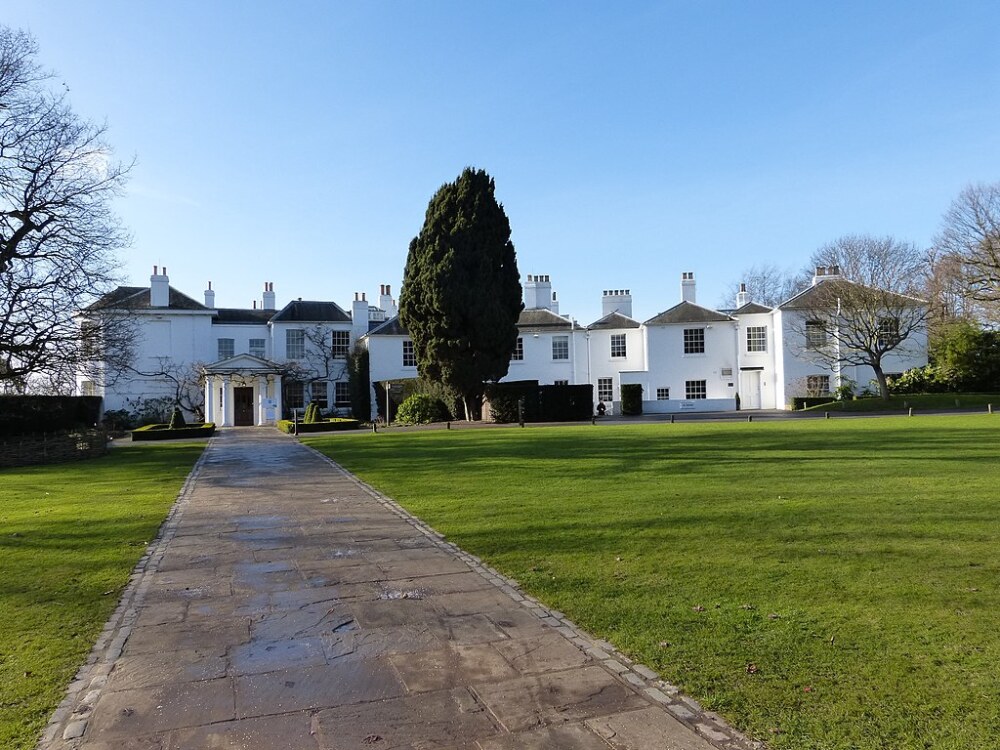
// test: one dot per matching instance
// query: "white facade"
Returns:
(256, 364)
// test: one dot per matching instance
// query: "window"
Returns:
(88, 388)
(560, 347)
(257, 348)
(888, 331)
(560, 382)
(756, 339)
(518, 355)
(605, 389)
(662, 394)
(726, 372)
(818, 385)
(695, 389)
(341, 394)
(815, 334)
(409, 356)
(617, 344)
(295, 343)
(317, 394)
(227, 348)
(90, 340)
(694, 340)
(294, 396)
(341, 344)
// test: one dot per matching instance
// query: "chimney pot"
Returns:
(164, 270)
(155, 269)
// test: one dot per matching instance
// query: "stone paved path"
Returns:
(287, 605)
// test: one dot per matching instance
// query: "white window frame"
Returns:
(340, 344)
(695, 390)
(560, 348)
(518, 353)
(341, 393)
(319, 393)
(260, 350)
(618, 346)
(818, 384)
(816, 337)
(226, 345)
(756, 339)
(662, 394)
(694, 341)
(409, 354)
(295, 343)
(605, 389)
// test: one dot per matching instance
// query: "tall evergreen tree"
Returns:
(461, 293)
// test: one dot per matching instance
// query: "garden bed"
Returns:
(327, 425)
(164, 432)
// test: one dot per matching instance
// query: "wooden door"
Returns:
(243, 407)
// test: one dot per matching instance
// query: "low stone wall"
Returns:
(52, 448)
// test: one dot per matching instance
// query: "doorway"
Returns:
(750, 389)
(243, 407)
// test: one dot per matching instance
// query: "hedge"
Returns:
(803, 402)
(166, 432)
(327, 425)
(542, 403)
(631, 399)
(31, 415)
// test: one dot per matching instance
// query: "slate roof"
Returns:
(805, 300)
(750, 308)
(240, 315)
(613, 320)
(687, 312)
(391, 327)
(300, 311)
(137, 298)
(542, 319)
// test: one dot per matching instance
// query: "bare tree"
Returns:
(971, 236)
(58, 235)
(866, 311)
(766, 284)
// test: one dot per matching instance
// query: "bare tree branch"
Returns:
(971, 234)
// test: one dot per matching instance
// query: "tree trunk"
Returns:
(883, 386)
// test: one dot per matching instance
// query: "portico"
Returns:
(242, 391)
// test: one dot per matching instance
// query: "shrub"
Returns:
(503, 408)
(631, 399)
(324, 425)
(420, 408)
(312, 414)
(165, 432)
(177, 419)
(118, 420)
(25, 415)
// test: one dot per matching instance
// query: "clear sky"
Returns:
(299, 142)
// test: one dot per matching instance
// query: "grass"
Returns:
(822, 584)
(919, 401)
(70, 535)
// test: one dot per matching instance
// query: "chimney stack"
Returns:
(268, 303)
(617, 300)
(538, 292)
(159, 288)
(209, 296)
(688, 288)
(359, 316)
(385, 300)
(742, 297)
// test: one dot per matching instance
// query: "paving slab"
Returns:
(285, 604)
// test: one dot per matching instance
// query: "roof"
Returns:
(299, 311)
(137, 298)
(542, 319)
(806, 300)
(239, 315)
(687, 312)
(750, 308)
(613, 320)
(391, 327)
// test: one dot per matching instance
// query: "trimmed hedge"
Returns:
(803, 402)
(327, 425)
(166, 432)
(631, 399)
(542, 403)
(31, 415)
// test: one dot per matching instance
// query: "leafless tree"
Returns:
(766, 284)
(58, 235)
(867, 311)
(970, 235)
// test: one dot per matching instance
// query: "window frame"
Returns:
(694, 341)
(662, 394)
(409, 354)
(605, 387)
(299, 343)
(562, 341)
(756, 339)
(816, 334)
(518, 354)
(340, 344)
(818, 384)
(619, 346)
(341, 394)
(252, 350)
(231, 347)
(319, 393)
(695, 390)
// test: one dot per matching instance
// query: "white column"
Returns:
(209, 398)
(224, 403)
(261, 398)
(277, 397)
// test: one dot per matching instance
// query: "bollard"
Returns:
(374, 427)
(989, 408)
(827, 414)
(910, 412)
(449, 426)
(671, 419)
(749, 417)
(593, 420)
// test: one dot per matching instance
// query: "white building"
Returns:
(254, 365)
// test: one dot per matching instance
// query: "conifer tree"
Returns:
(461, 293)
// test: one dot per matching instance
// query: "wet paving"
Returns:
(287, 605)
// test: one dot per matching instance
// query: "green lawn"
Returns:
(822, 584)
(70, 535)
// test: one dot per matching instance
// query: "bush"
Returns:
(118, 420)
(177, 419)
(312, 414)
(503, 408)
(803, 402)
(27, 415)
(631, 399)
(566, 403)
(420, 408)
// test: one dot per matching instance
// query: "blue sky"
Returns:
(300, 142)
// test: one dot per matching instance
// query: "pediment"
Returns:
(242, 363)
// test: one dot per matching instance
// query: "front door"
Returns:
(750, 389)
(243, 407)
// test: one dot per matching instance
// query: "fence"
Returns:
(53, 447)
